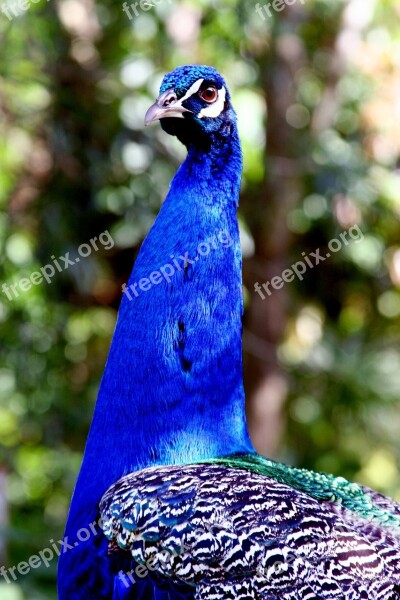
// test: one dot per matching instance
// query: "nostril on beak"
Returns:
(166, 105)
(170, 99)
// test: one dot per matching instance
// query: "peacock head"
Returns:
(194, 105)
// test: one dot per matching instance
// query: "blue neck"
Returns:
(172, 387)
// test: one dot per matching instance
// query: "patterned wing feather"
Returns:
(229, 533)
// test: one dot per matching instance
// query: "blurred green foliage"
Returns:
(75, 81)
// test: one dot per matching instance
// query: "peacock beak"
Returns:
(167, 105)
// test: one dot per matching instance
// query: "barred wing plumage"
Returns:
(231, 533)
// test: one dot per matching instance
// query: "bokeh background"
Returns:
(317, 91)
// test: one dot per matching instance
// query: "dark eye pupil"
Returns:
(208, 94)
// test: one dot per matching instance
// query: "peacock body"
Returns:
(189, 510)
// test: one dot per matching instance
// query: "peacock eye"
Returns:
(209, 94)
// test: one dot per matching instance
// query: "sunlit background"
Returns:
(317, 91)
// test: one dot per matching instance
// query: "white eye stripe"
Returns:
(192, 90)
(211, 111)
(216, 108)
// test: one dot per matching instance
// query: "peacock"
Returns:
(188, 509)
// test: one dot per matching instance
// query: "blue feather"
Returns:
(172, 388)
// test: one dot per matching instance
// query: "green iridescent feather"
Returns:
(321, 486)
